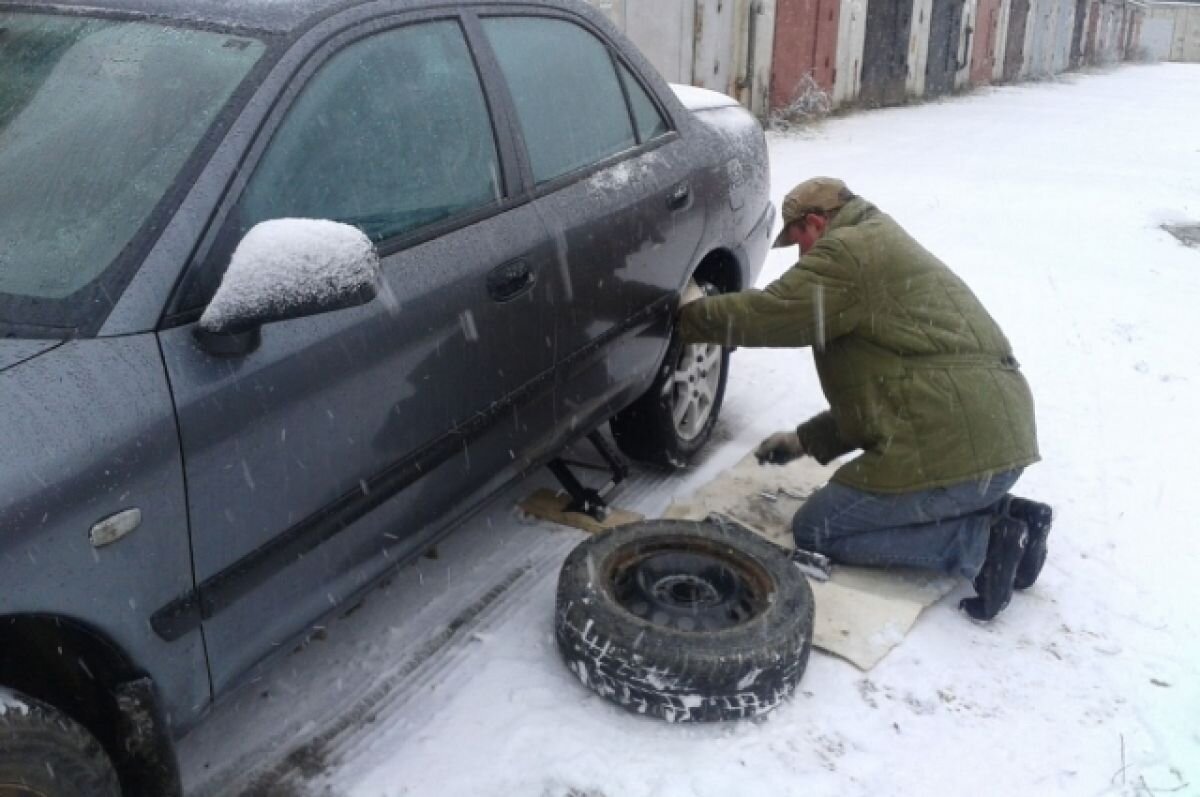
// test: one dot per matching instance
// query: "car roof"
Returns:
(276, 16)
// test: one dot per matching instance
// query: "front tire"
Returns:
(45, 753)
(673, 420)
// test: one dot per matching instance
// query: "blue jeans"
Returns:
(943, 529)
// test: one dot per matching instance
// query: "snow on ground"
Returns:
(1048, 200)
(10, 702)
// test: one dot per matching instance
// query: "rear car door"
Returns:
(343, 438)
(611, 179)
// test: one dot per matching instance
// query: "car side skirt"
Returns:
(216, 593)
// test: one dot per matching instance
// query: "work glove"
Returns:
(779, 449)
(691, 293)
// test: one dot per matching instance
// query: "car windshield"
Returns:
(98, 117)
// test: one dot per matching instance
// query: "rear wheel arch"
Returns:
(672, 421)
(722, 269)
(74, 668)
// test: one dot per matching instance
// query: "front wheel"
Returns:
(45, 753)
(673, 420)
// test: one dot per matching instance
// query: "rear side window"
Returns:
(568, 98)
(391, 135)
(650, 123)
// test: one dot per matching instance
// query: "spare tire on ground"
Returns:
(685, 621)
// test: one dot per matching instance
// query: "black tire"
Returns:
(751, 613)
(647, 430)
(45, 753)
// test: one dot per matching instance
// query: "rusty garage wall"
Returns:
(988, 15)
(768, 53)
(806, 40)
(1001, 41)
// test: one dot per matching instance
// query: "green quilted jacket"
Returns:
(917, 374)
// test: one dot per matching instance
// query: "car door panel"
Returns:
(284, 446)
(337, 444)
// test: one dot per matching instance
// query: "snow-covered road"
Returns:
(1048, 199)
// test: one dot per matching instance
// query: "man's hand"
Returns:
(779, 449)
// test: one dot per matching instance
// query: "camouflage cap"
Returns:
(816, 195)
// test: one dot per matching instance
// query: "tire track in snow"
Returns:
(433, 661)
(303, 766)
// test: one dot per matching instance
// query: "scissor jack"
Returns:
(587, 500)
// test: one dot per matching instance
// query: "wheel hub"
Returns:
(689, 586)
(686, 591)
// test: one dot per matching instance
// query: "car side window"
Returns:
(567, 95)
(392, 134)
(650, 123)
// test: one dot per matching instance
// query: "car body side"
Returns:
(91, 426)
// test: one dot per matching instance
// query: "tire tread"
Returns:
(683, 676)
(43, 748)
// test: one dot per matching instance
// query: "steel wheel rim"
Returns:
(689, 585)
(692, 389)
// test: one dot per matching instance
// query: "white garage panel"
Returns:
(1157, 33)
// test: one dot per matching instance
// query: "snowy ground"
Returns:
(1048, 199)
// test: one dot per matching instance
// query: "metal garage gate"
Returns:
(1014, 49)
(945, 25)
(885, 63)
(1077, 29)
(983, 53)
(806, 38)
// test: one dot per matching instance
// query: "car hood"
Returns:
(14, 351)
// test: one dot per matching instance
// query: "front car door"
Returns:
(341, 440)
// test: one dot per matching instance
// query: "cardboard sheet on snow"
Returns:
(861, 614)
(551, 505)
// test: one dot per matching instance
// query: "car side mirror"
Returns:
(284, 269)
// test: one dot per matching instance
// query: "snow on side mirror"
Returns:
(290, 268)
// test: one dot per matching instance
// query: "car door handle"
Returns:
(508, 281)
(679, 196)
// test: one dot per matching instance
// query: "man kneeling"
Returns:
(918, 376)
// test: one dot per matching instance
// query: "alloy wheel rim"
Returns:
(693, 388)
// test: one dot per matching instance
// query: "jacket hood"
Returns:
(853, 212)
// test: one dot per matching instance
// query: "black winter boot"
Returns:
(1038, 517)
(994, 584)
